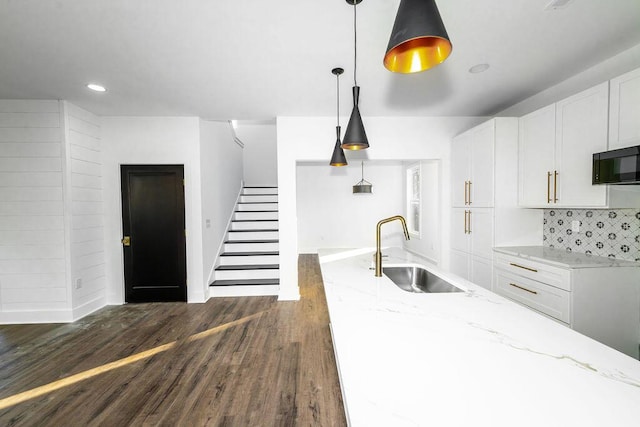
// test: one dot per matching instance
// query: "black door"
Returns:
(155, 262)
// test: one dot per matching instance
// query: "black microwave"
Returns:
(617, 166)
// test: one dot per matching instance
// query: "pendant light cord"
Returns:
(338, 99)
(355, 44)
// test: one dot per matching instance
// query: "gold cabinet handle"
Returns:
(548, 185)
(469, 194)
(522, 266)
(466, 196)
(555, 186)
(126, 241)
(469, 226)
(524, 289)
(465, 217)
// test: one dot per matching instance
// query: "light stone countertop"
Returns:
(562, 258)
(464, 359)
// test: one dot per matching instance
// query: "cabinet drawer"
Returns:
(546, 299)
(548, 274)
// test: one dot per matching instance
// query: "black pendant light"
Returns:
(338, 158)
(419, 40)
(355, 138)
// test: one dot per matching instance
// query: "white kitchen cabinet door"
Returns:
(481, 272)
(624, 111)
(460, 239)
(482, 166)
(581, 130)
(480, 231)
(460, 169)
(536, 150)
(459, 264)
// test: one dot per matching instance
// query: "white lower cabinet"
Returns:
(475, 269)
(600, 302)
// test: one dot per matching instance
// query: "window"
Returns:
(414, 211)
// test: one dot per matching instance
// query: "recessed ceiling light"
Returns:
(479, 68)
(96, 87)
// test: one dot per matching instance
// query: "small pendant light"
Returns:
(363, 186)
(355, 138)
(419, 40)
(338, 158)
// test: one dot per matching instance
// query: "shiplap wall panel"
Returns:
(28, 106)
(86, 181)
(32, 242)
(27, 194)
(31, 208)
(31, 164)
(88, 247)
(87, 224)
(34, 223)
(34, 149)
(33, 120)
(32, 237)
(8, 252)
(30, 179)
(32, 280)
(30, 134)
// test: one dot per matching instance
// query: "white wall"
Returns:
(50, 212)
(221, 171)
(331, 216)
(83, 192)
(429, 243)
(391, 138)
(33, 282)
(152, 140)
(260, 155)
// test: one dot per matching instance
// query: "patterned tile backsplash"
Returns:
(610, 233)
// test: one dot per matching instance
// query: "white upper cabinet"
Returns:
(624, 111)
(472, 163)
(581, 130)
(536, 156)
(556, 145)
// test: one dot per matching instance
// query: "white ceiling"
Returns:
(258, 59)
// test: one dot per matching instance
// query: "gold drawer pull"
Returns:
(521, 266)
(524, 289)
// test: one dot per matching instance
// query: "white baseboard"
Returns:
(36, 316)
(89, 307)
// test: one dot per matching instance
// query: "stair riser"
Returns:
(251, 247)
(249, 260)
(257, 207)
(240, 216)
(256, 225)
(241, 291)
(266, 190)
(258, 198)
(235, 236)
(247, 274)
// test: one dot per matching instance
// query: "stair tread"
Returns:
(257, 203)
(250, 253)
(272, 210)
(249, 267)
(251, 241)
(265, 186)
(240, 282)
(253, 231)
(253, 220)
(259, 194)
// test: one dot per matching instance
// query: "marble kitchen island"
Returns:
(470, 358)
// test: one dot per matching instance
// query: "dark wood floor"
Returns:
(254, 362)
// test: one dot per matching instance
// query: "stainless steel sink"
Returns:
(419, 280)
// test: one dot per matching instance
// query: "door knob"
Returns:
(126, 240)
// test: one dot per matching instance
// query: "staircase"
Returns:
(249, 262)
